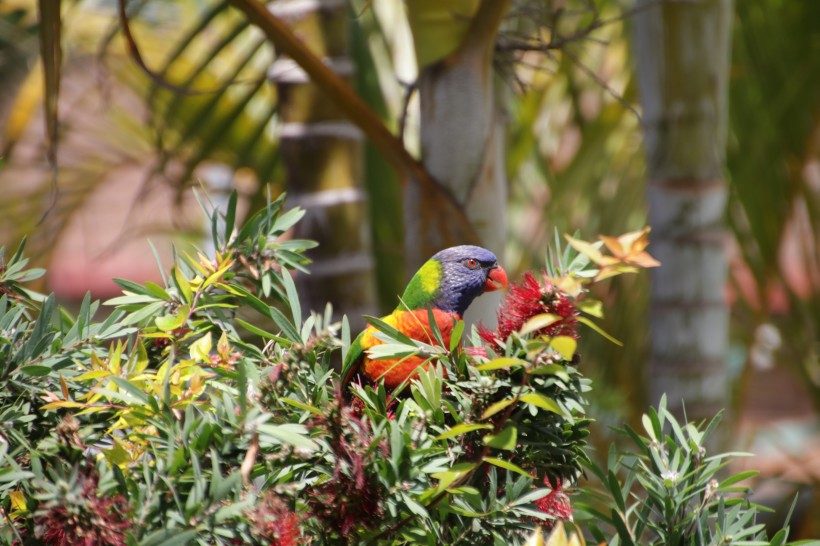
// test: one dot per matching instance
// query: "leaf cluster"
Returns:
(666, 489)
(206, 409)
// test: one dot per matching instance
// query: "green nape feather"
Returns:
(423, 287)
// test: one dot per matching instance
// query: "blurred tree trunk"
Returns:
(683, 60)
(462, 135)
(323, 152)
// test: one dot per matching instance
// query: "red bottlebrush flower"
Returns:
(476, 351)
(556, 503)
(351, 498)
(527, 299)
(89, 521)
(273, 522)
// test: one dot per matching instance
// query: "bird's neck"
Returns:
(424, 288)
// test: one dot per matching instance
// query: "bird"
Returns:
(444, 286)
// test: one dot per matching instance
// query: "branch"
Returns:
(51, 54)
(448, 216)
(484, 27)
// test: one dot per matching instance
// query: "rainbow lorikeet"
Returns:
(446, 285)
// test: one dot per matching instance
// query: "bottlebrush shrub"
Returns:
(207, 410)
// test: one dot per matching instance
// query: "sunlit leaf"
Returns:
(171, 322)
(565, 346)
(62, 404)
(599, 330)
(506, 439)
(458, 471)
(201, 349)
(460, 429)
(539, 400)
(506, 465)
(301, 405)
(591, 306)
(495, 407)
(501, 363)
(539, 322)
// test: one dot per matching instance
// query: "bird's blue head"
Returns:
(453, 278)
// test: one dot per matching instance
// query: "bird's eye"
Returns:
(472, 263)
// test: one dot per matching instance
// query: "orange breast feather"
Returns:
(415, 325)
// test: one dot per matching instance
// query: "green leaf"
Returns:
(506, 439)
(301, 405)
(291, 434)
(500, 363)
(455, 335)
(36, 371)
(731, 480)
(131, 389)
(62, 404)
(93, 374)
(167, 323)
(258, 331)
(591, 307)
(648, 426)
(463, 428)
(596, 328)
(182, 284)
(456, 472)
(492, 409)
(230, 216)
(169, 537)
(293, 297)
(288, 220)
(391, 350)
(157, 291)
(345, 337)
(532, 496)
(15, 475)
(506, 465)
(539, 400)
(565, 345)
(551, 369)
(201, 349)
(538, 322)
(284, 323)
(133, 287)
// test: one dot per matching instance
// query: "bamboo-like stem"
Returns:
(683, 63)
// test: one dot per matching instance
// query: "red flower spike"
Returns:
(91, 521)
(273, 521)
(351, 498)
(527, 299)
(555, 503)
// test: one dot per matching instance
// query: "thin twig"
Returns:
(597, 79)
(409, 90)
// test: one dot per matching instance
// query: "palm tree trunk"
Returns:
(462, 135)
(323, 153)
(683, 60)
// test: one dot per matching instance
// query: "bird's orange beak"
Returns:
(496, 279)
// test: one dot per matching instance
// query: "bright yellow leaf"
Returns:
(201, 349)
